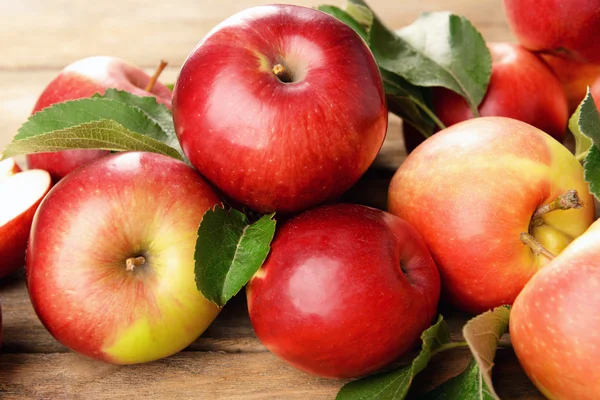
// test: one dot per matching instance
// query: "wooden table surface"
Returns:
(40, 37)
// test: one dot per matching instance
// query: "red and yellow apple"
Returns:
(281, 107)
(567, 28)
(472, 189)
(21, 195)
(85, 78)
(555, 324)
(110, 260)
(346, 290)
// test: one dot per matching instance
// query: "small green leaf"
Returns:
(467, 385)
(346, 18)
(100, 134)
(582, 142)
(170, 86)
(589, 118)
(394, 385)
(229, 250)
(591, 171)
(482, 334)
(362, 14)
(441, 49)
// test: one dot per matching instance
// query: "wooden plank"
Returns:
(40, 34)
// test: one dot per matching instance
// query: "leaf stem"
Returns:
(430, 114)
(581, 156)
(449, 346)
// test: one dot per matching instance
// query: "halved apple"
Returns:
(8, 168)
(20, 196)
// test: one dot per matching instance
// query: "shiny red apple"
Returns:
(472, 189)
(281, 107)
(346, 290)
(20, 196)
(555, 324)
(110, 260)
(569, 28)
(85, 78)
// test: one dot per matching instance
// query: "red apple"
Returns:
(346, 290)
(110, 260)
(568, 28)
(8, 168)
(521, 86)
(472, 189)
(21, 195)
(554, 323)
(575, 78)
(281, 107)
(85, 78)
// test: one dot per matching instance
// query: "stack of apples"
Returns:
(276, 116)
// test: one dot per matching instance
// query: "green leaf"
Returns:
(440, 49)
(582, 142)
(467, 385)
(229, 250)
(101, 134)
(394, 385)
(482, 334)
(585, 126)
(62, 122)
(589, 118)
(170, 86)
(591, 171)
(346, 18)
(155, 111)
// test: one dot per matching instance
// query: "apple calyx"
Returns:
(133, 262)
(150, 86)
(282, 73)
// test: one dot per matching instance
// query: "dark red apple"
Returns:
(569, 28)
(281, 107)
(346, 290)
(85, 78)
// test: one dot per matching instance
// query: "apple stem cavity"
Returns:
(536, 246)
(133, 262)
(282, 73)
(150, 86)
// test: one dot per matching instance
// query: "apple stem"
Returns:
(536, 246)
(282, 73)
(566, 201)
(150, 86)
(133, 262)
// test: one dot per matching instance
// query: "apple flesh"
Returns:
(554, 323)
(346, 290)
(8, 168)
(472, 189)
(281, 107)
(110, 260)
(21, 195)
(566, 28)
(82, 79)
